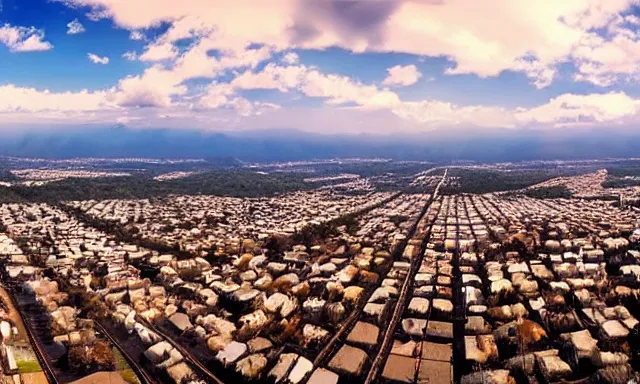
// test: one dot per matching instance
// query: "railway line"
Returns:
(205, 372)
(189, 357)
(459, 317)
(401, 304)
(142, 375)
(347, 325)
(421, 351)
(40, 353)
(324, 352)
(331, 344)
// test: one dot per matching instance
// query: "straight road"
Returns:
(401, 304)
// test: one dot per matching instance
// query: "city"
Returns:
(339, 282)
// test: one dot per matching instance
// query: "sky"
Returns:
(370, 66)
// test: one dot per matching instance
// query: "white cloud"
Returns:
(541, 75)
(130, 55)
(246, 108)
(220, 95)
(602, 61)
(530, 37)
(23, 39)
(189, 26)
(291, 58)
(435, 112)
(159, 52)
(137, 35)
(154, 88)
(159, 85)
(97, 59)
(217, 95)
(341, 89)
(33, 43)
(336, 89)
(402, 75)
(564, 110)
(272, 76)
(96, 14)
(75, 27)
(570, 109)
(220, 101)
(17, 99)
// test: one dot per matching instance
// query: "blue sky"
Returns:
(66, 65)
(354, 66)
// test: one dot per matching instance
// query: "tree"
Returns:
(277, 245)
(92, 306)
(89, 359)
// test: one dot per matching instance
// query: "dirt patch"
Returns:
(34, 378)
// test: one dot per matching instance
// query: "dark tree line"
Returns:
(486, 181)
(555, 192)
(122, 233)
(238, 183)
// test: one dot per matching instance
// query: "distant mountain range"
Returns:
(290, 144)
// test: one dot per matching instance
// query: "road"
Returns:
(35, 345)
(142, 375)
(188, 356)
(385, 347)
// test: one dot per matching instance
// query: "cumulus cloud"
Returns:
(246, 108)
(130, 55)
(541, 75)
(231, 40)
(402, 75)
(196, 62)
(75, 27)
(97, 59)
(159, 52)
(335, 89)
(222, 95)
(217, 95)
(570, 109)
(531, 37)
(272, 76)
(23, 39)
(291, 58)
(137, 35)
(154, 88)
(602, 61)
(564, 110)
(220, 100)
(341, 89)
(19, 99)
(435, 112)
(160, 84)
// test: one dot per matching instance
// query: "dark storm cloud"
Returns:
(352, 20)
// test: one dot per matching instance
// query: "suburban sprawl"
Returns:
(320, 272)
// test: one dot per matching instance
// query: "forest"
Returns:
(617, 182)
(486, 181)
(269, 181)
(622, 176)
(235, 182)
(223, 183)
(555, 192)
